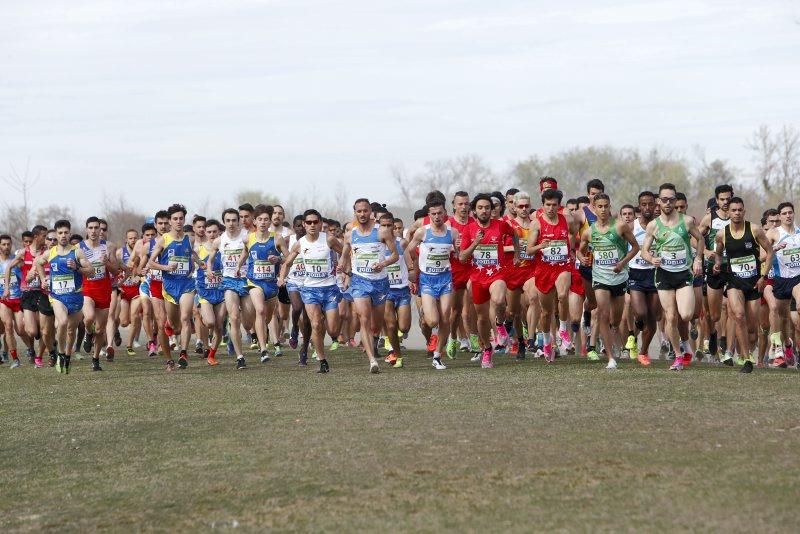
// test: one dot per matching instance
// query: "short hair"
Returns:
(377, 207)
(666, 186)
(246, 207)
(582, 199)
(103, 221)
(478, 197)
(552, 194)
(627, 207)
(460, 194)
(736, 200)
(28, 234)
(38, 229)
(277, 206)
(198, 218)
(92, 219)
(785, 205)
(645, 194)
(297, 218)
(188, 228)
(681, 196)
(512, 191)
(311, 212)
(723, 188)
(434, 203)
(261, 210)
(361, 200)
(594, 183)
(521, 195)
(602, 196)
(129, 230)
(76, 237)
(420, 213)
(398, 220)
(332, 222)
(771, 212)
(213, 222)
(572, 201)
(434, 195)
(162, 214)
(5, 237)
(176, 208)
(232, 211)
(386, 215)
(148, 226)
(61, 223)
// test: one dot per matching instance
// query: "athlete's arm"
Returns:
(719, 246)
(335, 245)
(287, 263)
(153, 264)
(346, 260)
(574, 223)
(112, 265)
(649, 235)
(83, 264)
(16, 261)
(533, 236)
(691, 228)
(387, 236)
(466, 253)
(515, 242)
(411, 255)
(627, 234)
(583, 248)
(764, 243)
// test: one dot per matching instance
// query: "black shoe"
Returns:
(88, 342)
(323, 366)
(52, 362)
(65, 363)
(96, 365)
(240, 363)
(198, 349)
(748, 367)
(303, 361)
(117, 338)
(170, 365)
(183, 363)
(729, 362)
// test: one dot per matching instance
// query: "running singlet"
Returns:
(367, 251)
(297, 272)
(526, 260)
(179, 252)
(155, 274)
(63, 280)
(557, 251)
(787, 259)
(97, 257)
(609, 248)
(743, 254)
(126, 257)
(259, 267)
(717, 224)
(232, 249)
(673, 245)
(316, 257)
(27, 265)
(459, 269)
(488, 259)
(398, 271)
(204, 282)
(14, 290)
(435, 251)
(638, 262)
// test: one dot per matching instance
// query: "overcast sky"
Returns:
(169, 100)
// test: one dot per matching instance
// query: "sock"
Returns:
(630, 333)
(589, 348)
(712, 343)
(509, 324)
(575, 327)
(587, 318)
(14, 354)
(546, 338)
(562, 325)
(436, 355)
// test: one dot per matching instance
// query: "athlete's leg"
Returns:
(669, 305)
(603, 302)
(233, 305)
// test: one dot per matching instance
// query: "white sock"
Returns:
(562, 325)
(436, 355)
(546, 338)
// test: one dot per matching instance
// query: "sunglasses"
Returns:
(523, 206)
(315, 221)
(667, 200)
(50, 239)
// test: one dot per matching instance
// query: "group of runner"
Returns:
(487, 273)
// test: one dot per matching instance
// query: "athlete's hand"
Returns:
(458, 242)
(780, 247)
(760, 283)
(274, 259)
(30, 276)
(517, 260)
(617, 268)
(698, 267)
(544, 244)
(5, 293)
(716, 268)
(586, 262)
(478, 237)
(413, 275)
(281, 281)
(378, 267)
(656, 261)
(172, 266)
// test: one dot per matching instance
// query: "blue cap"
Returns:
(150, 220)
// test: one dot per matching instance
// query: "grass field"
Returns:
(521, 447)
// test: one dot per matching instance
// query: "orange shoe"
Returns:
(643, 359)
(390, 358)
(433, 342)
(212, 361)
(514, 348)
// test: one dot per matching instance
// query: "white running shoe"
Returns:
(438, 365)
(476, 358)
(136, 344)
(373, 367)
(15, 364)
(612, 364)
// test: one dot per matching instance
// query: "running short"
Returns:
(576, 283)
(616, 291)
(480, 289)
(73, 302)
(375, 290)
(435, 285)
(669, 281)
(129, 292)
(700, 281)
(210, 296)
(291, 287)
(37, 302)
(715, 281)
(237, 285)
(781, 287)
(175, 289)
(642, 280)
(460, 275)
(399, 296)
(157, 289)
(15, 305)
(270, 289)
(546, 276)
(100, 295)
(283, 295)
(144, 289)
(517, 276)
(586, 273)
(326, 297)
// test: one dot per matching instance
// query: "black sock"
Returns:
(630, 332)
(575, 327)
(587, 318)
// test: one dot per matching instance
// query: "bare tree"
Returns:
(777, 161)
(22, 184)
(469, 172)
(120, 216)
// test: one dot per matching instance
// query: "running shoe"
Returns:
(677, 365)
(212, 361)
(612, 364)
(136, 344)
(452, 347)
(486, 359)
(170, 365)
(398, 364)
(152, 349)
(96, 364)
(548, 353)
(66, 364)
(433, 342)
(173, 341)
(747, 367)
(53, 360)
(665, 348)
(303, 361)
(476, 357)
(264, 356)
(37, 362)
(109, 353)
(592, 356)
(698, 355)
(224, 340)
(230, 347)
(514, 349)
(198, 348)
(387, 344)
(474, 343)
(438, 365)
(323, 367)
(789, 355)
(390, 358)
(625, 354)
(739, 361)
(240, 363)
(566, 342)
(293, 342)
(117, 338)
(521, 353)
(130, 351)
(643, 359)
(524, 332)
(687, 359)
(58, 364)
(88, 342)
(778, 362)
(334, 346)
(373, 367)
(463, 345)
(16, 364)
(531, 345)
(183, 363)
(632, 346)
(278, 350)
(726, 359)
(502, 335)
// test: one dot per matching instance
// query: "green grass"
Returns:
(521, 447)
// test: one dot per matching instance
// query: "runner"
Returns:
(521, 279)
(97, 290)
(769, 306)
(129, 314)
(669, 235)
(201, 330)
(431, 268)
(482, 242)
(11, 302)
(173, 255)
(739, 243)
(155, 313)
(319, 291)
(209, 289)
(146, 303)
(609, 262)
(397, 315)
(464, 320)
(294, 282)
(785, 240)
(67, 265)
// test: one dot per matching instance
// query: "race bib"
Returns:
(316, 268)
(395, 274)
(438, 261)
(673, 256)
(182, 265)
(556, 252)
(156, 274)
(231, 258)
(98, 271)
(365, 262)
(62, 283)
(606, 256)
(523, 251)
(790, 257)
(641, 262)
(263, 270)
(298, 268)
(485, 255)
(744, 267)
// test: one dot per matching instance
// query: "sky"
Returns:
(165, 101)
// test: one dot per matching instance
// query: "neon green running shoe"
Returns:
(452, 347)
(632, 347)
(592, 356)
(739, 360)
(130, 351)
(334, 345)
(59, 367)
(474, 343)
(398, 364)
(387, 344)
(524, 332)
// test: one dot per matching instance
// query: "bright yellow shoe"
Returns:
(398, 364)
(387, 345)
